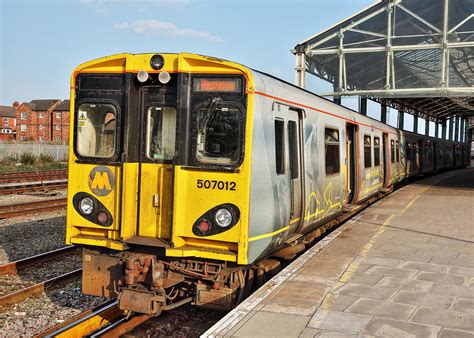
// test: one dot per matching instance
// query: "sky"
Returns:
(41, 42)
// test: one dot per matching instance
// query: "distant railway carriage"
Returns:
(188, 172)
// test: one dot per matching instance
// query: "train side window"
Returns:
(408, 151)
(392, 151)
(376, 151)
(367, 151)
(293, 148)
(280, 146)
(331, 141)
(398, 151)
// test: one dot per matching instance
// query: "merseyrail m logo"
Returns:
(101, 181)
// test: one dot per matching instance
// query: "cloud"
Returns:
(155, 27)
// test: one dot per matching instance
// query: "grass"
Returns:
(29, 162)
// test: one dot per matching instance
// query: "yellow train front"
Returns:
(151, 130)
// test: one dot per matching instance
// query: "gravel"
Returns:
(22, 237)
(35, 315)
(40, 273)
(186, 321)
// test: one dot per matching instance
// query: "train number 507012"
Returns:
(213, 184)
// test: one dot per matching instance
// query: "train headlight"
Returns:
(157, 62)
(223, 218)
(86, 205)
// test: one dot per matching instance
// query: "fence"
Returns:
(58, 151)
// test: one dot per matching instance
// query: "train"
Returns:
(191, 177)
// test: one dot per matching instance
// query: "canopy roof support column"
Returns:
(300, 70)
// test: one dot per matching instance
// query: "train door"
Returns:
(351, 161)
(386, 161)
(155, 168)
(294, 160)
(289, 165)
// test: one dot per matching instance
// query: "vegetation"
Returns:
(29, 162)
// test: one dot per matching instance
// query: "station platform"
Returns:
(402, 267)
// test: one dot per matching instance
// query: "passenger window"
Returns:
(96, 130)
(280, 146)
(331, 140)
(398, 151)
(161, 133)
(376, 151)
(392, 151)
(293, 148)
(408, 151)
(367, 152)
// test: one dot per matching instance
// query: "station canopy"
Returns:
(414, 55)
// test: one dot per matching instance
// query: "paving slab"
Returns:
(403, 267)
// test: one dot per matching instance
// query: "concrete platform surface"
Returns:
(403, 267)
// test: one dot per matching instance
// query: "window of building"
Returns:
(58, 127)
(376, 151)
(23, 127)
(24, 116)
(58, 138)
(58, 115)
(23, 138)
(331, 140)
(41, 138)
(398, 151)
(5, 121)
(280, 146)
(41, 115)
(367, 151)
(293, 145)
(392, 151)
(41, 127)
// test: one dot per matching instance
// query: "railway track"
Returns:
(16, 268)
(27, 176)
(44, 181)
(20, 209)
(106, 320)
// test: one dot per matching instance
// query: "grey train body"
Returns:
(285, 204)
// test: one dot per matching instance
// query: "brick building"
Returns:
(7, 123)
(37, 121)
(60, 122)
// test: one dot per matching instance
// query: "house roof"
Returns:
(38, 105)
(7, 111)
(63, 106)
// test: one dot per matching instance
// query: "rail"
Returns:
(13, 268)
(20, 209)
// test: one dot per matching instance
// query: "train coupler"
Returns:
(141, 301)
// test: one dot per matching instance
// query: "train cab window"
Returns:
(367, 151)
(293, 148)
(219, 139)
(161, 133)
(392, 151)
(398, 151)
(280, 146)
(331, 141)
(96, 130)
(376, 151)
